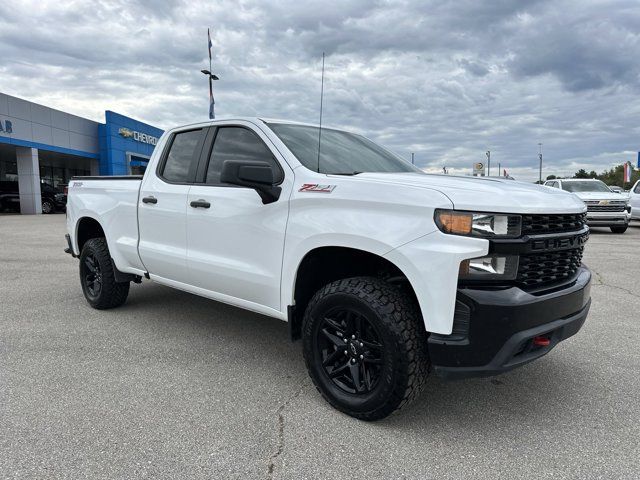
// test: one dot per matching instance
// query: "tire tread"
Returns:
(400, 313)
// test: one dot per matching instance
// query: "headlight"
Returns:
(493, 267)
(478, 224)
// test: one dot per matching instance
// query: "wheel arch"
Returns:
(86, 229)
(325, 264)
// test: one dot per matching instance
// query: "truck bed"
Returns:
(111, 200)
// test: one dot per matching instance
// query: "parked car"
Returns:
(385, 272)
(605, 208)
(634, 201)
(10, 197)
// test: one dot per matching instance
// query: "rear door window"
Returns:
(181, 162)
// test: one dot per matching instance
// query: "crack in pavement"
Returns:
(280, 448)
(600, 282)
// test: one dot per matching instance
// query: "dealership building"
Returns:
(40, 145)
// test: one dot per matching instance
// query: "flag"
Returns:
(505, 173)
(627, 172)
(210, 44)
(638, 159)
(212, 102)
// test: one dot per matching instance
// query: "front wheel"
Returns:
(97, 276)
(620, 229)
(365, 347)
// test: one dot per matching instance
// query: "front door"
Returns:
(235, 242)
(162, 208)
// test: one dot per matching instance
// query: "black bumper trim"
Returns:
(518, 350)
(502, 325)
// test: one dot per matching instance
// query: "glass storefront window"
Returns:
(8, 171)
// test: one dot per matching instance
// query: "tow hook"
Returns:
(541, 341)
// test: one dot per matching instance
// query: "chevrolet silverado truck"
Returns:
(384, 272)
(605, 208)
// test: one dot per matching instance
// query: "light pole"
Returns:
(540, 157)
(488, 154)
(412, 162)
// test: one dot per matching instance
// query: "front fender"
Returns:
(431, 263)
(294, 256)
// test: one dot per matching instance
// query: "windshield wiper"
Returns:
(345, 173)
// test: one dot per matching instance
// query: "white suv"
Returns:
(605, 208)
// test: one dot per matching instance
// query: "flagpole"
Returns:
(321, 98)
(212, 77)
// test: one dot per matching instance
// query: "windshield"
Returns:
(596, 186)
(340, 152)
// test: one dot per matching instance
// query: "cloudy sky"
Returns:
(446, 80)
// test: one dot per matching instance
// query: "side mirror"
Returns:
(256, 175)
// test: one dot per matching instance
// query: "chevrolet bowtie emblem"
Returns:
(125, 132)
(604, 202)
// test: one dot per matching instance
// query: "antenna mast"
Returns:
(321, 97)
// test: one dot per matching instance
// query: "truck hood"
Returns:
(600, 196)
(486, 193)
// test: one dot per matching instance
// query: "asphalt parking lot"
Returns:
(175, 386)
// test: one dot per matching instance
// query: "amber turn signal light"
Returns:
(455, 222)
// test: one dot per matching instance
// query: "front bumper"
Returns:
(494, 330)
(608, 219)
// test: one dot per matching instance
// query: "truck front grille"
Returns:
(546, 268)
(555, 223)
(606, 208)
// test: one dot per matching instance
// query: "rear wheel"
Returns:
(619, 229)
(97, 278)
(365, 347)
(47, 207)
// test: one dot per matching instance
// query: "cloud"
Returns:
(446, 80)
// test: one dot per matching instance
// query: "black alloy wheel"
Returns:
(351, 350)
(92, 275)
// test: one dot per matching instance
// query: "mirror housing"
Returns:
(256, 175)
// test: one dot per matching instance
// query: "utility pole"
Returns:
(540, 157)
(499, 170)
(488, 163)
(412, 162)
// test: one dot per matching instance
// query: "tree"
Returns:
(613, 176)
(551, 177)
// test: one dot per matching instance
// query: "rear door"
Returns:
(163, 206)
(235, 242)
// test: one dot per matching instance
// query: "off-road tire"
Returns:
(619, 229)
(395, 315)
(111, 293)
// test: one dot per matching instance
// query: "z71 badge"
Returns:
(316, 188)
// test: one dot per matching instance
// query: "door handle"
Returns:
(200, 204)
(150, 199)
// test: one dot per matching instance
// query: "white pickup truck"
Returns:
(384, 272)
(605, 208)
